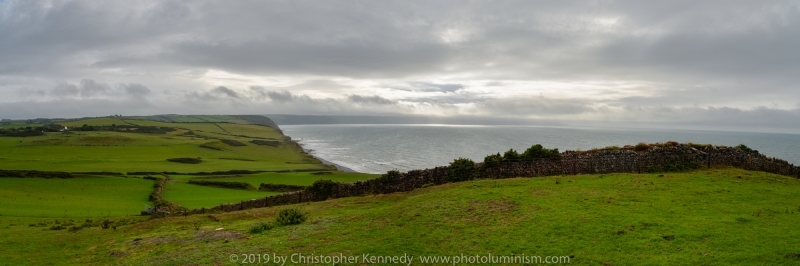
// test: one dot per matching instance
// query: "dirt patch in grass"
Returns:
(118, 253)
(481, 210)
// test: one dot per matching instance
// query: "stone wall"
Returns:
(655, 159)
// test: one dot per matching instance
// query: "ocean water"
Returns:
(380, 148)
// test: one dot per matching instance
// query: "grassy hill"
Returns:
(131, 146)
(77, 197)
(223, 146)
(721, 216)
(708, 217)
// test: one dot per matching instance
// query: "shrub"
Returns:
(461, 169)
(611, 148)
(57, 227)
(210, 146)
(223, 184)
(322, 188)
(290, 217)
(106, 223)
(34, 173)
(493, 159)
(273, 143)
(261, 227)
(672, 143)
(389, 177)
(641, 147)
(511, 155)
(231, 142)
(744, 148)
(322, 173)
(280, 187)
(537, 151)
(185, 160)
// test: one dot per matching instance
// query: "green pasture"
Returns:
(706, 217)
(134, 152)
(105, 121)
(75, 197)
(19, 125)
(251, 131)
(196, 196)
(292, 178)
(190, 118)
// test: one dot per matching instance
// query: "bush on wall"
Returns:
(461, 169)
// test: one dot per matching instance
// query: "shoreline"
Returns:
(326, 162)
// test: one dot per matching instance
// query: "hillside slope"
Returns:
(710, 217)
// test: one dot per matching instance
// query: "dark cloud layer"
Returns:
(731, 64)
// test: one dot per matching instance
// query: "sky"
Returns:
(730, 65)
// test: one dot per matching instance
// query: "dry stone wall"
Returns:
(655, 159)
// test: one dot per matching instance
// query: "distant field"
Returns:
(93, 122)
(76, 197)
(196, 196)
(250, 131)
(223, 143)
(19, 125)
(298, 179)
(133, 152)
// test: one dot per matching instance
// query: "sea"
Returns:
(380, 148)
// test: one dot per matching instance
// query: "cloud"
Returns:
(31, 92)
(88, 88)
(428, 86)
(369, 100)
(137, 90)
(215, 94)
(225, 91)
(280, 96)
(64, 89)
(578, 61)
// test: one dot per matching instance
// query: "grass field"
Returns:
(297, 179)
(707, 217)
(71, 198)
(223, 145)
(196, 196)
(129, 152)
(222, 142)
(19, 125)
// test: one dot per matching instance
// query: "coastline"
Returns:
(338, 166)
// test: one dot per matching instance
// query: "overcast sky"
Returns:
(692, 64)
